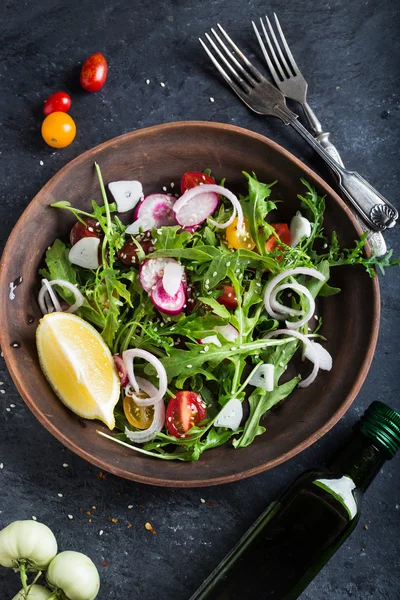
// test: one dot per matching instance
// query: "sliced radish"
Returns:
(85, 253)
(229, 332)
(170, 305)
(195, 211)
(159, 208)
(263, 377)
(325, 359)
(152, 270)
(189, 210)
(122, 371)
(172, 277)
(126, 194)
(231, 415)
(299, 227)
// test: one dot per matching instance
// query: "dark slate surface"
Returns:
(349, 53)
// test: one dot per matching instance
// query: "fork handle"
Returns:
(319, 134)
(377, 212)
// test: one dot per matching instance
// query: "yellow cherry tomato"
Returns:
(239, 239)
(58, 130)
(140, 417)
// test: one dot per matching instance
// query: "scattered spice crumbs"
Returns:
(129, 525)
(113, 520)
(141, 505)
(101, 475)
(104, 563)
(150, 527)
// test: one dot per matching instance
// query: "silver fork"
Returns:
(289, 79)
(265, 99)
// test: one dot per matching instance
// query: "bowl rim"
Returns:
(182, 483)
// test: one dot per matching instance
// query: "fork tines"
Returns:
(240, 74)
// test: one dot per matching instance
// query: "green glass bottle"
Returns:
(295, 536)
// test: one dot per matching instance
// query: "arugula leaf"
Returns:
(170, 238)
(59, 267)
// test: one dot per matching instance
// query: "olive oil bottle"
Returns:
(296, 535)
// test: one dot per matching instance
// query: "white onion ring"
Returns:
(217, 189)
(47, 288)
(300, 289)
(148, 388)
(278, 278)
(148, 434)
(128, 357)
(313, 354)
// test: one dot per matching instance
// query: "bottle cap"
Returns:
(381, 424)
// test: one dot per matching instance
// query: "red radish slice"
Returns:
(85, 253)
(197, 209)
(152, 270)
(126, 194)
(158, 207)
(172, 277)
(189, 210)
(122, 371)
(170, 305)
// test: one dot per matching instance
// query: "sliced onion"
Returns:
(85, 253)
(148, 434)
(299, 227)
(142, 224)
(325, 359)
(278, 278)
(264, 377)
(308, 344)
(231, 415)
(148, 388)
(172, 277)
(217, 189)
(280, 308)
(128, 357)
(46, 289)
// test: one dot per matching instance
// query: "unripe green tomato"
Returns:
(37, 592)
(27, 540)
(75, 574)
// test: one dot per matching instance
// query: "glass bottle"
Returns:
(296, 535)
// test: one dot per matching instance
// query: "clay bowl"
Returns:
(157, 156)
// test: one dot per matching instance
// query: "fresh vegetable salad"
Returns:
(187, 318)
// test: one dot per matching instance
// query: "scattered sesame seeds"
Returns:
(8, 409)
(162, 84)
(215, 274)
(70, 517)
(189, 366)
(65, 465)
(207, 281)
(34, 518)
(60, 495)
(237, 271)
(258, 284)
(130, 506)
(202, 500)
(1, 466)
(41, 163)
(147, 81)
(228, 264)
(101, 532)
(212, 99)
(172, 184)
(316, 317)
(2, 391)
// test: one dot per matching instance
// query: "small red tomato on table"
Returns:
(58, 102)
(184, 411)
(94, 72)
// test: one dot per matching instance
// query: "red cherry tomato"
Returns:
(228, 297)
(184, 411)
(94, 72)
(58, 102)
(128, 254)
(283, 233)
(90, 229)
(193, 178)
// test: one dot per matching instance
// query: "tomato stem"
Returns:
(23, 577)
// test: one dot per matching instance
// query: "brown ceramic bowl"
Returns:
(158, 156)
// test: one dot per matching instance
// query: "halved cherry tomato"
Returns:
(140, 417)
(58, 102)
(184, 411)
(94, 72)
(58, 130)
(91, 228)
(283, 233)
(239, 239)
(192, 179)
(228, 296)
(128, 254)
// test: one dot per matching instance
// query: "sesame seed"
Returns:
(172, 184)
(233, 348)
(1, 466)
(169, 419)
(130, 506)
(258, 284)
(147, 81)
(189, 366)
(101, 532)
(162, 84)
(237, 271)
(215, 274)
(8, 409)
(228, 264)
(41, 163)
(2, 391)
(207, 281)
(159, 231)
(34, 519)
(70, 517)
(60, 495)
(316, 317)
(65, 465)
(202, 500)
(212, 99)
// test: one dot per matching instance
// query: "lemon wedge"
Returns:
(79, 366)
